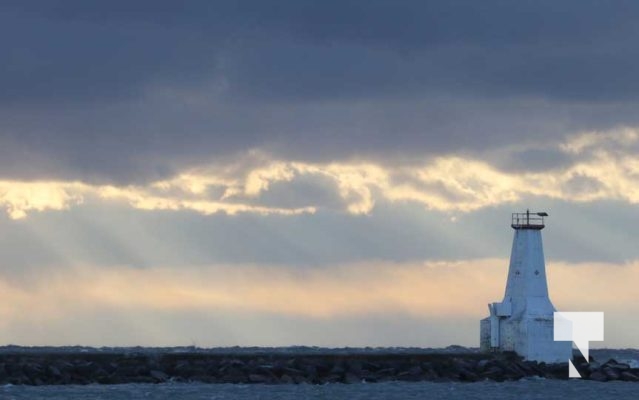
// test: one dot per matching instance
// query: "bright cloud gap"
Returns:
(602, 167)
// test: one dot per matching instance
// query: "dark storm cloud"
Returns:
(572, 49)
(130, 91)
(533, 160)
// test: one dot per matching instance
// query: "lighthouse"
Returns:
(523, 321)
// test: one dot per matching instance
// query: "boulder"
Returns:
(234, 375)
(629, 376)
(611, 373)
(351, 378)
(338, 369)
(482, 364)
(493, 372)
(158, 376)
(371, 366)
(598, 376)
(386, 373)
(468, 376)
(286, 379)
(258, 378)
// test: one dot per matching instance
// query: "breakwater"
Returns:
(118, 367)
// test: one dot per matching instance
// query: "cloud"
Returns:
(130, 94)
(339, 48)
(600, 166)
(318, 293)
(308, 134)
(421, 292)
(616, 139)
(142, 199)
(19, 198)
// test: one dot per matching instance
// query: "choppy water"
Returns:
(628, 356)
(524, 389)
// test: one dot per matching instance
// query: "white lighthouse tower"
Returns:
(523, 321)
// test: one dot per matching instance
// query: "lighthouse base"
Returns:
(530, 336)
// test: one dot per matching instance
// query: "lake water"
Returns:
(523, 389)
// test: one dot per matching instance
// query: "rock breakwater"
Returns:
(263, 368)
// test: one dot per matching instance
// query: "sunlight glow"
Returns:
(423, 291)
(602, 166)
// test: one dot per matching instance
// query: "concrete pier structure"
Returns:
(523, 320)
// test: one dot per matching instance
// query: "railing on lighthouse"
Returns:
(528, 220)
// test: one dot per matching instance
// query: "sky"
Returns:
(330, 173)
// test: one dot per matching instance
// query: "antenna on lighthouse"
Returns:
(523, 321)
